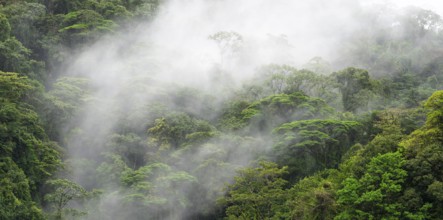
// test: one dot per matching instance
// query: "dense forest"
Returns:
(96, 123)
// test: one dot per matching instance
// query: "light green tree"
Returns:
(257, 193)
(15, 193)
(375, 195)
(22, 136)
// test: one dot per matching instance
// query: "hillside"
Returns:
(150, 109)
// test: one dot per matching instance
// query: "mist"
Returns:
(132, 74)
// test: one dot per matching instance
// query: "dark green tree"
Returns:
(274, 110)
(5, 28)
(14, 57)
(307, 146)
(423, 150)
(355, 87)
(24, 18)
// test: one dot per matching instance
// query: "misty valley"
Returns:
(220, 109)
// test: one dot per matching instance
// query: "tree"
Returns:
(424, 153)
(130, 147)
(355, 87)
(287, 79)
(110, 171)
(14, 57)
(83, 26)
(114, 11)
(375, 195)
(24, 18)
(65, 192)
(143, 8)
(318, 65)
(419, 22)
(229, 43)
(257, 193)
(67, 6)
(175, 130)
(273, 110)
(5, 28)
(389, 132)
(62, 103)
(313, 197)
(307, 146)
(15, 193)
(22, 137)
(155, 190)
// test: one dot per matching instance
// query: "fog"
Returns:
(434, 5)
(134, 68)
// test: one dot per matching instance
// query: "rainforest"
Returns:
(220, 109)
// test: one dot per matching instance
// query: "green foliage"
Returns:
(313, 198)
(143, 8)
(277, 79)
(307, 146)
(277, 109)
(231, 118)
(83, 26)
(66, 6)
(176, 168)
(14, 57)
(63, 102)
(435, 104)
(176, 130)
(110, 171)
(375, 194)
(15, 193)
(423, 150)
(257, 193)
(64, 192)
(113, 11)
(154, 188)
(130, 147)
(22, 137)
(24, 17)
(390, 133)
(13, 86)
(355, 87)
(409, 204)
(5, 28)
